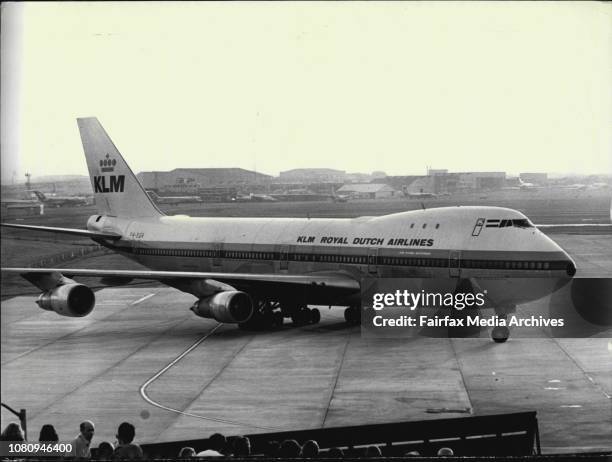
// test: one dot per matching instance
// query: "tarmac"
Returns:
(143, 357)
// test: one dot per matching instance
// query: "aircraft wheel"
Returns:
(267, 320)
(352, 315)
(500, 334)
(277, 319)
(301, 317)
(348, 315)
(315, 316)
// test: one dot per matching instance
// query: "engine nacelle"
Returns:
(229, 306)
(72, 300)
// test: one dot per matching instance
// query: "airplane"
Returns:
(421, 195)
(524, 186)
(173, 199)
(576, 187)
(21, 203)
(60, 201)
(255, 272)
(254, 198)
(599, 185)
(340, 197)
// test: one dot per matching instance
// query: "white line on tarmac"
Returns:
(145, 396)
(140, 300)
(584, 373)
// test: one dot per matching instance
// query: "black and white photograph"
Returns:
(282, 230)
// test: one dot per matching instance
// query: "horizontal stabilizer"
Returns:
(72, 231)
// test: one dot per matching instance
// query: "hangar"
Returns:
(368, 190)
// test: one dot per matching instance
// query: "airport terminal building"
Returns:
(198, 181)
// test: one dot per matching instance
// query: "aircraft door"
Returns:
(478, 227)
(217, 250)
(373, 260)
(454, 263)
(284, 257)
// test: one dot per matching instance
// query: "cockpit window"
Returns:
(522, 223)
(506, 223)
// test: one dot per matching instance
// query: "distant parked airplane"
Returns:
(253, 198)
(528, 186)
(421, 195)
(173, 199)
(21, 203)
(60, 201)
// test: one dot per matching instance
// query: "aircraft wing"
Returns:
(193, 281)
(72, 231)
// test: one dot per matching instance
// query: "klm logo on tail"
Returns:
(116, 182)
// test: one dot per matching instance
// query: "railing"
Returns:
(494, 435)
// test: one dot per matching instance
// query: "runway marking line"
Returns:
(336, 378)
(61, 337)
(595, 385)
(145, 396)
(108, 369)
(463, 381)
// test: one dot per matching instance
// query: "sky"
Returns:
(356, 86)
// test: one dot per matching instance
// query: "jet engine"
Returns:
(229, 306)
(72, 300)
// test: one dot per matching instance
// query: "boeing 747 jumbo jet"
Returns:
(256, 271)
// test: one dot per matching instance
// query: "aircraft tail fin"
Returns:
(117, 191)
(41, 197)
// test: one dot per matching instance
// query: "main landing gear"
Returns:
(269, 315)
(304, 316)
(500, 334)
(352, 315)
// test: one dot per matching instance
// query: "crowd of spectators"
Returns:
(124, 447)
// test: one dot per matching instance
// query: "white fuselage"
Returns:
(491, 245)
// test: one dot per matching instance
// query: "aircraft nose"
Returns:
(570, 268)
(562, 257)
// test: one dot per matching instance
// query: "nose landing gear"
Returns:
(500, 334)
